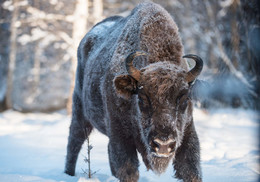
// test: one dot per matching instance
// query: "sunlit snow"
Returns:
(33, 148)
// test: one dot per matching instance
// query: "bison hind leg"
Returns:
(78, 134)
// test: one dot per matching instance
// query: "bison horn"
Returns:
(133, 71)
(194, 73)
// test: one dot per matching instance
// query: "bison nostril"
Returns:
(155, 146)
(163, 147)
(172, 146)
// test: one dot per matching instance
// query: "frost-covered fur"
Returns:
(133, 113)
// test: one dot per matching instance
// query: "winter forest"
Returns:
(38, 60)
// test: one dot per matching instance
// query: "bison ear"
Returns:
(125, 86)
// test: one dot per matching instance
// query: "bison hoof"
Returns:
(71, 173)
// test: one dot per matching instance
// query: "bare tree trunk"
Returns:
(223, 55)
(12, 59)
(98, 10)
(235, 37)
(36, 73)
(79, 30)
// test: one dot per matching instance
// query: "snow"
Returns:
(33, 148)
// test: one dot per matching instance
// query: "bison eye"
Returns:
(143, 99)
(182, 102)
(183, 105)
(145, 104)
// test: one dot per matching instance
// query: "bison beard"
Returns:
(144, 107)
(160, 164)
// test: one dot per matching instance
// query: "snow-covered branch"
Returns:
(38, 14)
(224, 57)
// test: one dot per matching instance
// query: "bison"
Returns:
(133, 85)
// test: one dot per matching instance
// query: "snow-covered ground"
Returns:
(33, 147)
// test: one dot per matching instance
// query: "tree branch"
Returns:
(223, 54)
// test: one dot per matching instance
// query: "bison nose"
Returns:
(163, 148)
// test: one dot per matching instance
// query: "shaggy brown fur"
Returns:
(134, 114)
(161, 78)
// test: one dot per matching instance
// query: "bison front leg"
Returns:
(187, 159)
(123, 160)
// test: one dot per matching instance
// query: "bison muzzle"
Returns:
(133, 85)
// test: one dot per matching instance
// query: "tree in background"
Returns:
(79, 29)
(38, 59)
(12, 54)
(225, 34)
(39, 56)
(5, 19)
(43, 41)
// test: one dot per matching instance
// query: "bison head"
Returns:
(164, 105)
